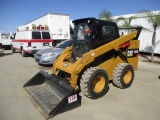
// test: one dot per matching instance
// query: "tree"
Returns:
(106, 15)
(126, 22)
(154, 19)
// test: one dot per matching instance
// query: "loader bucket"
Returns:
(50, 95)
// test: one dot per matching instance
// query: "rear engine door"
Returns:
(46, 40)
(36, 40)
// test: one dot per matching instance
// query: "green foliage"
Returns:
(106, 15)
(151, 17)
(127, 21)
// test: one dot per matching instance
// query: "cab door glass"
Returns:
(36, 35)
(83, 31)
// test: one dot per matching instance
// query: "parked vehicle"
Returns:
(5, 41)
(31, 38)
(59, 25)
(48, 56)
(98, 56)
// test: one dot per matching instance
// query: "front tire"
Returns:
(123, 75)
(94, 82)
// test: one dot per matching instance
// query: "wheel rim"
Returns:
(12, 49)
(98, 84)
(127, 77)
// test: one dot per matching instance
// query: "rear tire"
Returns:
(13, 50)
(1, 46)
(94, 82)
(123, 75)
(24, 54)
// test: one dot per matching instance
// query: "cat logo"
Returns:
(132, 53)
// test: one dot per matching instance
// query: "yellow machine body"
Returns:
(75, 69)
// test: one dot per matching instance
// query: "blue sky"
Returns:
(14, 13)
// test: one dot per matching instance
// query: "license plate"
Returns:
(72, 98)
(45, 44)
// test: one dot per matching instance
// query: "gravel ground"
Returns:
(139, 102)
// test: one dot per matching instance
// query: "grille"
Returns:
(37, 60)
(38, 55)
(45, 61)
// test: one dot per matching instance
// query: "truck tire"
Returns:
(94, 82)
(24, 54)
(123, 75)
(13, 50)
(1, 46)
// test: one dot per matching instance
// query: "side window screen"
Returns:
(36, 35)
(46, 35)
(108, 33)
(104, 33)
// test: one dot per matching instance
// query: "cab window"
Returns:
(46, 35)
(104, 34)
(36, 35)
(108, 33)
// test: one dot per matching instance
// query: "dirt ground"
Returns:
(139, 102)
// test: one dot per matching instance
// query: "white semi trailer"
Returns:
(59, 25)
(5, 41)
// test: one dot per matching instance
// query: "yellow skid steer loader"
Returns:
(98, 55)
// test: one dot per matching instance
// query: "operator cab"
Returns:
(91, 33)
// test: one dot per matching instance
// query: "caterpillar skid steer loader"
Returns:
(98, 55)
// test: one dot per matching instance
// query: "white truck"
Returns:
(30, 38)
(59, 25)
(5, 41)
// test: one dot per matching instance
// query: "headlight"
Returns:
(47, 54)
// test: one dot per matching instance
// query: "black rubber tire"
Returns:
(123, 75)
(1, 46)
(93, 78)
(24, 54)
(13, 50)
